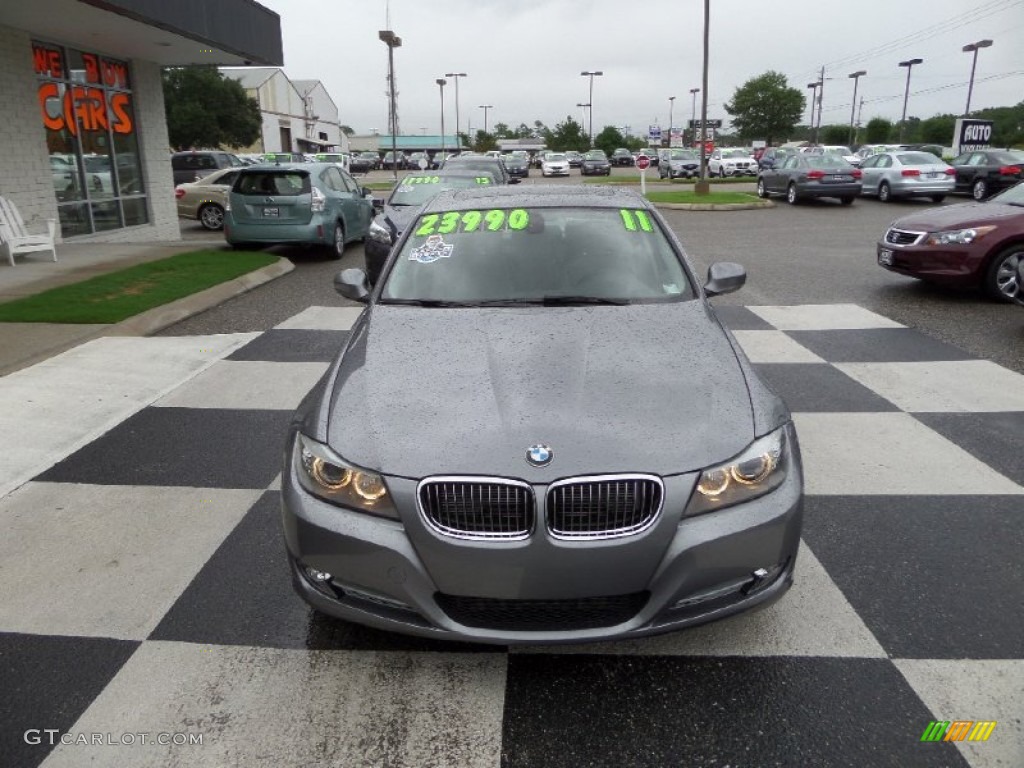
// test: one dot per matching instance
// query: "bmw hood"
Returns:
(643, 388)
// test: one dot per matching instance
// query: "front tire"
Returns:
(762, 191)
(938, 198)
(791, 196)
(884, 192)
(979, 189)
(1001, 276)
(848, 200)
(211, 216)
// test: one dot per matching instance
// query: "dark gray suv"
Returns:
(195, 164)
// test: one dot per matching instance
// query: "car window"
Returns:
(884, 161)
(332, 179)
(528, 254)
(349, 182)
(791, 162)
(917, 158)
(870, 162)
(827, 161)
(555, 158)
(286, 183)
(977, 159)
(961, 159)
(226, 179)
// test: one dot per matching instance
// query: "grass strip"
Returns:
(688, 196)
(116, 296)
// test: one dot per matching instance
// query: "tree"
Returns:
(609, 139)
(484, 142)
(502, 130)
(938, 130)
(878, 131)
(835, 134)
(569, 135)
(347, 130)
(766, 107)
(206, 109)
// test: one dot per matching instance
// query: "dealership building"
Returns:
(84, 136)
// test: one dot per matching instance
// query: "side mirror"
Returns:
(353, 284)
(724, 277)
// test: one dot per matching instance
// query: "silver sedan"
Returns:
(539, 432)
(891, 175)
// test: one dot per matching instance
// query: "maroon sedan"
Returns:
(972, 244)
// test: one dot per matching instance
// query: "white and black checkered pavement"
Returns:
(145, 589)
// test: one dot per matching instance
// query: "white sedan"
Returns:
(554, 164)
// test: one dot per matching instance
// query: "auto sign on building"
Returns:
(970, 135)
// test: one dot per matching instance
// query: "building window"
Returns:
(87, 112)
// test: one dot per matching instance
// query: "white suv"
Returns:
(732, 162)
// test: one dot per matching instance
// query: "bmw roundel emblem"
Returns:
(539, 455)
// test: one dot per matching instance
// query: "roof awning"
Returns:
(315, 142)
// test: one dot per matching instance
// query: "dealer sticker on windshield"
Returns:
(435, 248)
(493, 220)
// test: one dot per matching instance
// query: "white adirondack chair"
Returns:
(14, 238)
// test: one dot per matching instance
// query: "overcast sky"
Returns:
(525, 56)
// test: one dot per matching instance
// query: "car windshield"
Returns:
(536, 255)
(734, 153)
(683, 154)
(827, 161)
(290, 183)
(918, 158)
(368, 155)
(595, 156)
(417, 188)
(839, 150)
(554, 158)
(1012, 196)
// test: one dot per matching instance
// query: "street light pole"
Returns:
(973, 47)
(693, 113)
(702, 187)
(853, 107)
(591, 75)
(456, 76)
(671, 106)
(442, 83)
(486, 107)
(909, 64)
(814, 93)
(392, 41)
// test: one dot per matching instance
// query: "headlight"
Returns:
(379, 233)
(759, 469)
(958, 236)
(329, 477)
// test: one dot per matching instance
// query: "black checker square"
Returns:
(47, 682)
(932, 577)
(737, 318)
(877, 345)
(994, 438)
(195, 447)
(244, 596)
(293, 346)
(820, 388)
(659, 711)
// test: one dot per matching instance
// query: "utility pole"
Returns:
(856, 78)
(856, 131)
(702, 187)
(821, 94)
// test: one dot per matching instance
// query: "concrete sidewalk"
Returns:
(24, 344)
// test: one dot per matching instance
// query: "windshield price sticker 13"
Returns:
(633, 220)
(437, 180)
(493, 220)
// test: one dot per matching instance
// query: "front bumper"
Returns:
(378, 577)
(949, 264)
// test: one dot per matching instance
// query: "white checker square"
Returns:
(247, 384)
(822, 317)
(813, 619)
(322, 319)
(961, 386)
(774, 347)
(975, 689)
(888, 454)
(271, 707)
(106, 560)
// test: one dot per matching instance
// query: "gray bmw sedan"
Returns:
(538, 431)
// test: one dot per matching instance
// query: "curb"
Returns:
(158, 318)
(716, 206)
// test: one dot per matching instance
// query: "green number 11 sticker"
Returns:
(633, 220)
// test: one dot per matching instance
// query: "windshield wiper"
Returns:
(430, 303)
(554, 301)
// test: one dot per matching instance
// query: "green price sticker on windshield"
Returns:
(494, 220)
(636, 221)
(421, 180)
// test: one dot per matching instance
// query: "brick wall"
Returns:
(25, 176)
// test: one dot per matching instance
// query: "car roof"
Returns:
(291, 165)
(547, 196)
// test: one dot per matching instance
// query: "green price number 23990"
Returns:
(493, 220)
